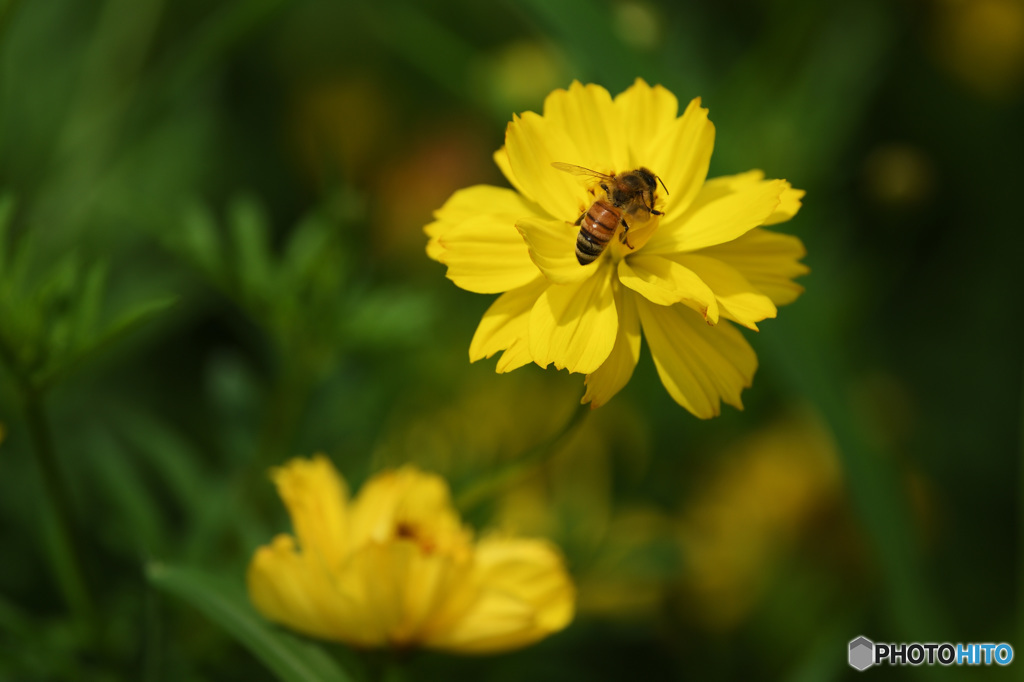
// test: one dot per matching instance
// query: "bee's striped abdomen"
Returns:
(597, 227)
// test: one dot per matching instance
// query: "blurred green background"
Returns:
(212, 260)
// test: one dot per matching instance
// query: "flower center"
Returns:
(641, 227)
(408, 531)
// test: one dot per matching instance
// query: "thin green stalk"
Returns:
(67, 555)
(520, 467)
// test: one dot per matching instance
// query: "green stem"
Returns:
(284, 407)
(520, 467)
(67, 555)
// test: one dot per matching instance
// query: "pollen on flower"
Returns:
(586, 253)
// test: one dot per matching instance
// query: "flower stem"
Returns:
(66, 553)
(520, 467)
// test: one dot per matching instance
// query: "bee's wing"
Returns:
(579, 170)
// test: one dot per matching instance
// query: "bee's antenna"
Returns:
(662, 184)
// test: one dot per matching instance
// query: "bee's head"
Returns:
(647, 177)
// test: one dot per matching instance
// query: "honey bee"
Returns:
(625, 194)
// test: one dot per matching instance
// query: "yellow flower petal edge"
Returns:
(736, 296)
(665, 282)
(505, 327)
(695, 258)
(701, 366)
(574, 325)
(472, 237)
(552, 247)
(681, 154)
(768, 260)
(614, 373)
(533, 144)
(649, 111)
(588, 112)
(395, 567)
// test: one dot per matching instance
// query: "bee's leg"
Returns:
(622, 237)
(653, 212)
(579, 220)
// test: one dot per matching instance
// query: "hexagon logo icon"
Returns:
(862, 653)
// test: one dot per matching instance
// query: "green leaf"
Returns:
(126, 324)
(199, 240)
(177, 463)
(225, 603)
(86, 315)
(251, 236)
(306, 247)
(388, 317)
(209, 509)
(118, 479)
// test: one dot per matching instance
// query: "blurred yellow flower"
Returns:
(695, 263)
(395, 567)
(761, 496)
(981, 42)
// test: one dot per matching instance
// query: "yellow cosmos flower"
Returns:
(396, 567)
(696, 259)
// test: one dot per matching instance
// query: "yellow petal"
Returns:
(586, 114)
(316, 498)
(720, 220)
(505, 327)
(608, 379)
(278, 587)
(768, 260)
(374, 581)
(551, 245)
(680, 156)
(739, 298)
(698, 364)
(396, 591)
(522, 594)
(501, 160)
(533, 144)
(409, 497)
(434, 231)
(716, 188)
(645, 113)
(475, 237)
(426, 515)
(789, 201)
(574, 325)
(472, 201)
(297, 590)
(429, 582)
(666, 282)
